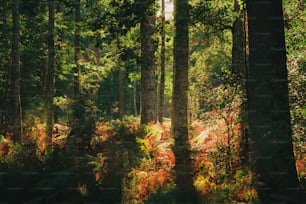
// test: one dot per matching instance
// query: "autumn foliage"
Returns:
(137, 161)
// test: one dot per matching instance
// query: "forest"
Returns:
(152, 101)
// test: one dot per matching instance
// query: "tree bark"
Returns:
(239, 69)
(120, 80)
(186, 192)
(121, 90)
(6, 70)
(77, 49)
(15, 75)
(269, 118)
(162, 65)
(135, 97)
(238, 49)
(148, 48)
(50, 72)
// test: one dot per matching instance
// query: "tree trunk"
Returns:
(16, 76)
(120, 80)
(121, 90)
(269, 118)
(77, 49)
(50, 72)
(186, 192)
(135, 97)
(239, 68)
(238, 49)
(148, 48)
(162, 65)
(6, 70)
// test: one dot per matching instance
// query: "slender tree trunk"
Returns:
(239, 67)
(148, 48)
(186, 192)
(77, 49)
(269, 118)
(135, 97)
(162, 65)
(7, 100)
(245, 140)
(16, 76)
(121, 91)
(121, 81)
(50, 71)
(6, 68)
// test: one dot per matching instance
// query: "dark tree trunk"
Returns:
(148, 48)
(186, 192)
(269, 118)
(238, 49)
(50, 71)
(162, 65)
(120, 80)
(135, 97)
(6, 70)
(77, 49)
(239, 69)
(16, 76)
(121, 91)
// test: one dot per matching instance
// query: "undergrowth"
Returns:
(125, 163)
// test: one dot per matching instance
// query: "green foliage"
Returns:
(210, 62)
(216, 16)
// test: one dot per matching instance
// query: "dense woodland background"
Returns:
(127, 101)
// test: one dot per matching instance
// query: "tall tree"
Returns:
(50, 72)
(186, 192)
(238, 48)
(120, 79)
(148, 66)
(162, 64)
(269, 118)
(77, 18)
(239, 69)
(5, 44)
(121, 89)
(15, 74)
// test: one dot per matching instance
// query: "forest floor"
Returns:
(137, 161)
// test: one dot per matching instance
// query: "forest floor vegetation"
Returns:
(125, 162)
